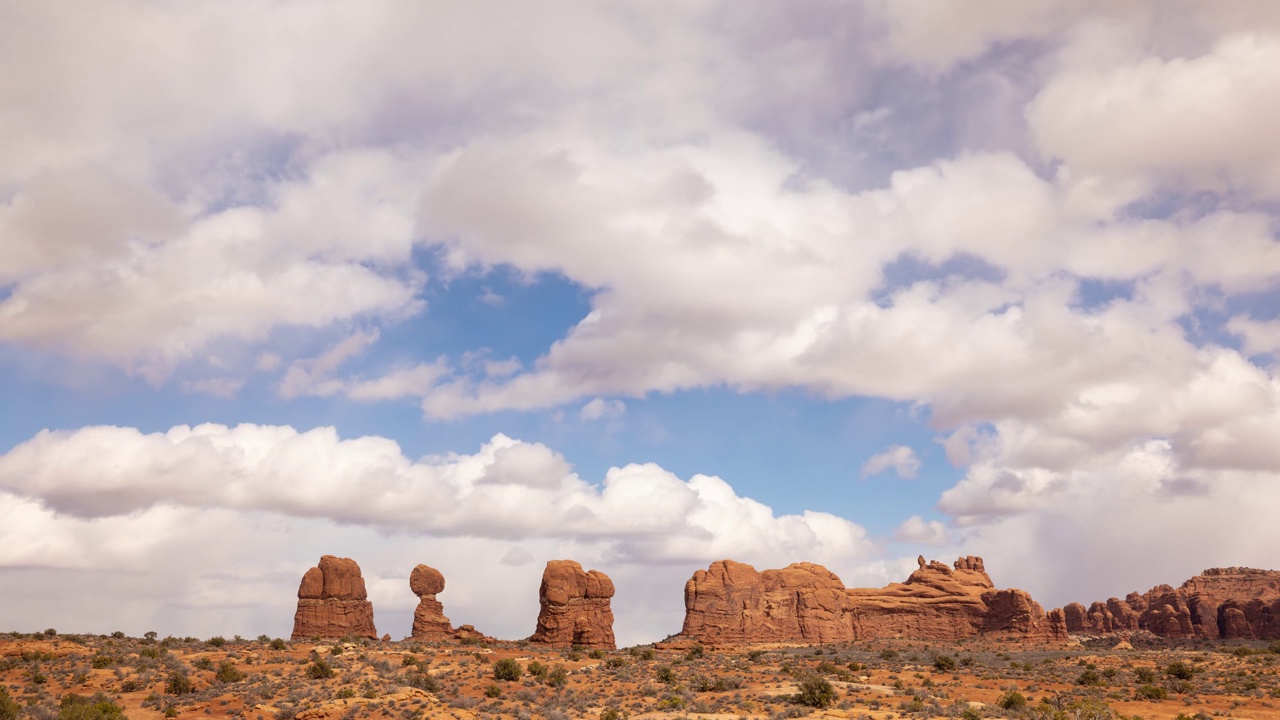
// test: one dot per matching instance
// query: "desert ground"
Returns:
(49, 675)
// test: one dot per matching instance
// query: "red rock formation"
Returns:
(574, 607)
(332, 602)
(1218, 603)
(803, 602)
(429, 622)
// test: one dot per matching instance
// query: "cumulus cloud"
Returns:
(642, 512)
(599, 408)
(916, 529)
(116, 500)
(901, 459)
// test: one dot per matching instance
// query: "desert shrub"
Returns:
(615, 662)
(98, 707)
(346, 693)
(101, 661)
(1012, 700)
(118, 635)
(1090, 678)
(695, 652)
(279, 644)
(227, 672)
(944, 663)
(755, 655)
(319, 670)
(1151, 692)
(536, 669)
(493, 691)
(1145, 675)
(557, 676)
(178, 683)
(612, 713)
(50, 632)
(8, 708)
(971, 713)
(1180, 670)
(507, 670)
(815, 692)
(596, 655)
(203, 663)
(889, 654)
(423, 681)
(217, 641)
(664, 674)
(648, 654)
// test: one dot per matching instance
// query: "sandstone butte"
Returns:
(574, 607)
(332, 602)
(1228, 603)
(731, 602)
(429, 622)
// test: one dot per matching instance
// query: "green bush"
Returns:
(279, 644)
(944, 663)
(227, 672)
(319, 670)
(423, 681)
(1012, 700)
(971, 713)
(536, 669)
(101, 661)
(493, 691)
(612, 713)
(557, 676)
(217, 641)
(1090, 678)
(596, 655)
(178, 683)
(1180, 670)
(816, 692)
(1151, 692)
(98, 707)
(665, 675)
(507, 670)
(1145, 675)
(8, 708)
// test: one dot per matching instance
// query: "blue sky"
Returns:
(483, 285)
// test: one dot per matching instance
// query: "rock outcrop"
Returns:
(429, 622)
(1227, 603)
(332, 602)
(574, 607)
(803, 602)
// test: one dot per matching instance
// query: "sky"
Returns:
(645, 285)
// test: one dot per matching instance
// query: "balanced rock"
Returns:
(1226, 603)
(732, 602)
(574, 607)
(332, 602)
(429, 622)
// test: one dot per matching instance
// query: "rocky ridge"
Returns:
(1227, 603)
(733, 602)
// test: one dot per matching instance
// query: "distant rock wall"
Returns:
(803, 602)
(574, 607)
(332, 602)
(1227, 603)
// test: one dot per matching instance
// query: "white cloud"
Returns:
(901, 459)
(916, 529)
(155, 507)
(599, 408)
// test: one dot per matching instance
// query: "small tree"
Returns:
(227, 672)
(1012, 700)
(944, 663)
(816, 692)
(507, 670)
(319, 670)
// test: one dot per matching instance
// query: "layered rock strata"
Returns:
(332, 602)
(1226, 603)
(803, 602)
(574, 607)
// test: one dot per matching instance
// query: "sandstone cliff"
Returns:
(803, 602)
(332, 602)
(1228, 603)
(575, 607)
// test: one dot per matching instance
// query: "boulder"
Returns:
(574, 607)
(332, 602)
